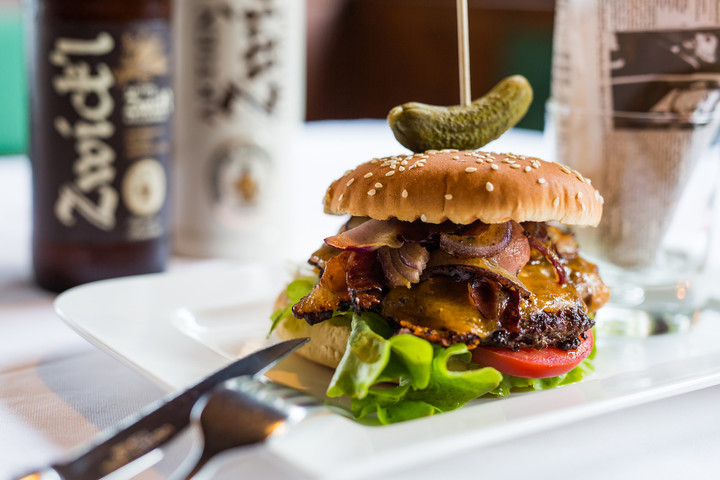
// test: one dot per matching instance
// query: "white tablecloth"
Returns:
(57, 391)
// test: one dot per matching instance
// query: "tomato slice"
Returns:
(533, 363)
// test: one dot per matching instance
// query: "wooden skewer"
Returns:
(463, 52)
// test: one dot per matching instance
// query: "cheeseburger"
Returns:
(461, 258)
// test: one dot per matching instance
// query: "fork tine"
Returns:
(295, 403)
(245, 411)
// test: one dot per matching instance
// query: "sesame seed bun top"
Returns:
(465, 186)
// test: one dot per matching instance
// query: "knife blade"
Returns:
(140, 434)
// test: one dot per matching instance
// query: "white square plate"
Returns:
(180, 327)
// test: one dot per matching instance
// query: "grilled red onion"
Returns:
(551, 257)
(414, 255)
(480, 240)
(399, 272)
(495, 302)
(466, 269)
(368, 236)
(487, 297)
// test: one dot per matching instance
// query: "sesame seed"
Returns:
(392, 172)
(393, 166)
(541, 181)
(456, 157)
(515, 166)
(431, 152)
(423, 218)
(582, 206)
(494, 167)
(579, 196)
(378, 185)
(528, 168)
(368, 175)
(404, 194)
(349, 182)
(404, 162)
(448, 196)
(602, 200)
(479, 160)
(556, 201)
(371, 192)
(565, 169)
(488, 159)
(507, 160)
(340, 198)
(471, 169)
(489, 187)
(402, 169)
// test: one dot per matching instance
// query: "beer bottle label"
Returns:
(240, 96)
(104, 131)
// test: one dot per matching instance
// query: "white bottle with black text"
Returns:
(240, 100)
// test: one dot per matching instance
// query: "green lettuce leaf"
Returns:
(365, 358)
(454, 380)
(429, 379)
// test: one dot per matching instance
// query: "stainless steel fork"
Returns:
(241, 412)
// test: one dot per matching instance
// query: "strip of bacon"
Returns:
(330, 294)
(364, 280)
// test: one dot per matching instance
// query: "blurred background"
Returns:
(365, 56)
(13, 94)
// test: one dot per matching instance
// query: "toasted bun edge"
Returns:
(328, 339)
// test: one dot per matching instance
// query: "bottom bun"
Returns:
(328, 339)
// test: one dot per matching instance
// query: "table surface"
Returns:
(57, 391)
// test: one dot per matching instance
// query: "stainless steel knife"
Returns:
(159, 422)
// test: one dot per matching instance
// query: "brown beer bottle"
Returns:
(101, 104)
